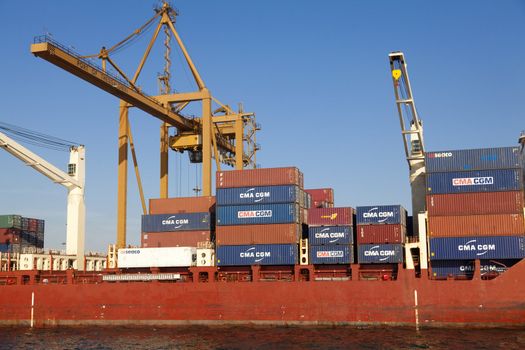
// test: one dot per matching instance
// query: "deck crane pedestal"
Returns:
(412, 133)
(73, 180)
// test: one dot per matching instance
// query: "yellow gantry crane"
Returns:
(226, 135)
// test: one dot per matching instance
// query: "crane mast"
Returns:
(73, 180)
(412, 133)
(218, 134)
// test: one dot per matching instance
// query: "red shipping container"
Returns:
(174, 239)
(258, 234)
(322, 204)
(506, 202)
(371, 234)
(9, 235)
(321, 195)
(330, 216)
(182, 205)
(259, 177)
(476, 225)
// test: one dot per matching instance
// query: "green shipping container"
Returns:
(11, 221)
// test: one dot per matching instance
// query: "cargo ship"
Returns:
(265, 250)
(261, 271)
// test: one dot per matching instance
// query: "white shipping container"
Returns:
(157, 257)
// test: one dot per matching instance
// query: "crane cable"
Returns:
(129, 39)
(37, 138)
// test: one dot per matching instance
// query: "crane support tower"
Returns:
(412, 133)
(220, 133)
(73, 180)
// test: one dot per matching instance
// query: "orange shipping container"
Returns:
(505, 202)
(182, 205)
(259, 177)
(476, 225)
(174, 239)
(258, 234)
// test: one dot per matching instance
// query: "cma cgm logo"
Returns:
(376, 252)
(481, 249)
(178, 222)
(373, 213)
(254, 214)
(440, 155)
(330, 254)
(473, 181)
(333, 236)
(259, 256)
(251, 194)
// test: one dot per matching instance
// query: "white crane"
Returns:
(412, 132)
(73, 180)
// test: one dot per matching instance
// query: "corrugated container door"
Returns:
(259, 195)
(464, 248)
(475, 181)
(375, 234)
(174, 239)
(331, 254)
(380, 253)
(330, 235)
(259, 177)
(330, 216)
(473, 159)
(258, 234)
(506, 202)
(258, 214)
(452, 268)
(477, 225)
(177, 222)
(263, 254)
(182, 205)
(381, 214)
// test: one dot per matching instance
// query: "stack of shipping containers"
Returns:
(321, 197)
(18, 233)
(475, 210)
(260, 213)
(381, 232)
(330, 235)
(178, 222)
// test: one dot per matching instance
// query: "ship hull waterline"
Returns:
(408, 301)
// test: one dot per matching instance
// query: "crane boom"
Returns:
(54, 53)
(43, 167)
(64, 58)
(73, 181)
(412, 133)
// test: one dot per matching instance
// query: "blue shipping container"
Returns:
(259, 254)
(331, 254)
(325, 235)
(381, 214)
(259, 195)
(258, 214)
(177, 222)
(445, 268)
(475, 181)
(380, 253)
(474, 159)
(463, 248)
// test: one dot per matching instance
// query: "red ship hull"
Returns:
(405, 301)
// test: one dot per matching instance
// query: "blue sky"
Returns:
(315, 73)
